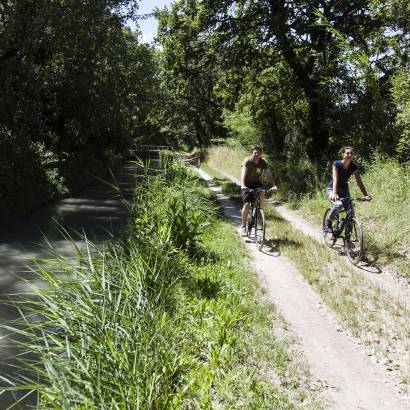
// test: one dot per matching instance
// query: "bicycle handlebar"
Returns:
(363, 198)
(257, 190)
(360, 198)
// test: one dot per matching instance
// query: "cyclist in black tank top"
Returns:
(338, 187)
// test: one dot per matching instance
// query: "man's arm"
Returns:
(268, 173)
(243, 176)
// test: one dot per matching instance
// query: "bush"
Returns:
(28, 176)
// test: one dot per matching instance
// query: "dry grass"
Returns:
(226, 159)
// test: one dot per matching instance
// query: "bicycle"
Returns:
(348, 228)
(256, 219)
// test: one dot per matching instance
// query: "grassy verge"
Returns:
(168, 317)
(371, 316)
(226, 159)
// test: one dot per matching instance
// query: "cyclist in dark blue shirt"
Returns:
(338, 187)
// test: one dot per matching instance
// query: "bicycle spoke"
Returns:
(260, 229)
(354, 241)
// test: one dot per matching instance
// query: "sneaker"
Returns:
(244, 229)
(328, 226)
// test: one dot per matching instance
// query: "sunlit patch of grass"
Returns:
(226, 159)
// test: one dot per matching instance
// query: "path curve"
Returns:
(349, 378)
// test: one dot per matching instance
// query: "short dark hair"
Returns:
(258, 148)
(345, 148)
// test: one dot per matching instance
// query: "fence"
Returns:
(150, 148)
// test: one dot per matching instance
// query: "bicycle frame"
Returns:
(348, 228)
(256, 219)
(349, 210)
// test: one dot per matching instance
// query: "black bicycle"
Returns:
(256, 219)
(347, 227)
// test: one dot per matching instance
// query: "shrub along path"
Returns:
(350, 378)
(397, 287)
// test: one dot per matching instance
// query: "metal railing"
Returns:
(150, 148)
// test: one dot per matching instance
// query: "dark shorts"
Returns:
(250, 196)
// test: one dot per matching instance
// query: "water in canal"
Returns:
(98, 212)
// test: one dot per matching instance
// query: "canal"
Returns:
(98, 212)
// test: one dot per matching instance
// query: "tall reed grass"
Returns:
(159, 319)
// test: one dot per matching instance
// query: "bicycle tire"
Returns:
(354, 241)
(328, 237)
(249, 223)
(260, 227)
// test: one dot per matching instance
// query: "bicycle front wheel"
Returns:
(328, 237)
(260, 229)
(354, 241)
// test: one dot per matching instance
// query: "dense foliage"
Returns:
(302, 77)
(75, 91)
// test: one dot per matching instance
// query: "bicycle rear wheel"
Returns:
(354, 241)
(260, 228)
(328, 237)
(249, 223)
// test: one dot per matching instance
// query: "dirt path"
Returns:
(399, 289)
(350, 379)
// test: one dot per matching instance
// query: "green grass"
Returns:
(226, 159)
(168, 317)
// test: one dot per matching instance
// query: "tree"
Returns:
(74, 89)
(247, 46)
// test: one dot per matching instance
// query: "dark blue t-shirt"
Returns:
(343, 176)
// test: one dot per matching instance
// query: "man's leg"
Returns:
(245, 211)
(261, 198)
